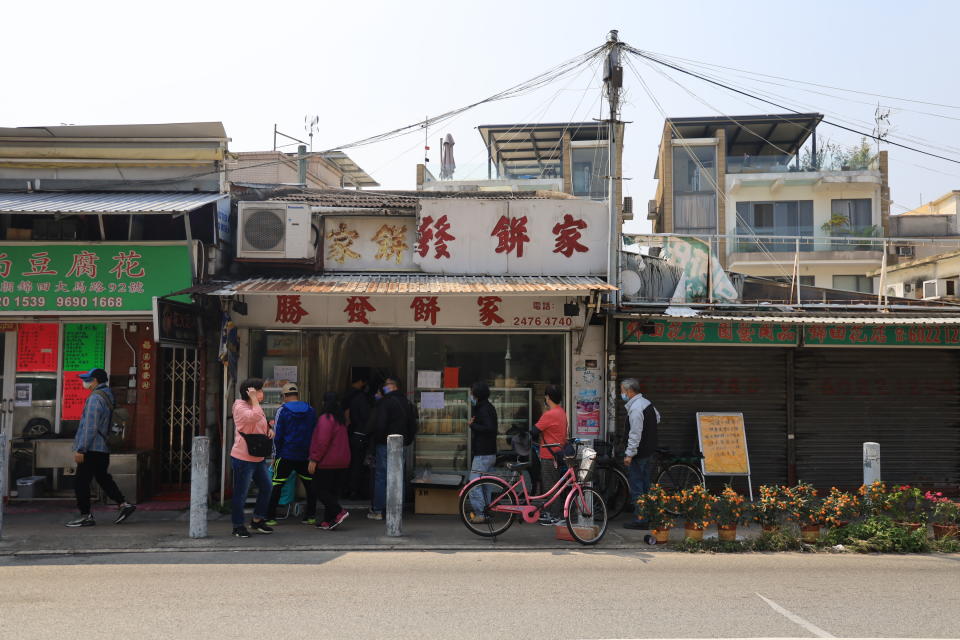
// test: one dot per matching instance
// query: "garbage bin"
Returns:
(30, 487)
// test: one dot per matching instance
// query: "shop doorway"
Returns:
(180, 414)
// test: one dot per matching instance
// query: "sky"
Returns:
(363, 68)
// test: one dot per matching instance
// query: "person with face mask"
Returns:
(91, 452)
(642, 421)
(552, 428)
(392, 418)
(483, 443)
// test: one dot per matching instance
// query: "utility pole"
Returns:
(613, 79)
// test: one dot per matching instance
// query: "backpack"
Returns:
(117, 420)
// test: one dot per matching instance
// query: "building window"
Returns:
(858, 212)
(694, 190)
(861, 284)
(590, 170)
(782, 218)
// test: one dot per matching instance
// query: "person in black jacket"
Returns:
(390, 419)
(358, 407)
(483, 441)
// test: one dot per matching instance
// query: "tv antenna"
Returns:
(310, 124)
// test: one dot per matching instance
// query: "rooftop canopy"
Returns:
(756, 135)
(535, 149)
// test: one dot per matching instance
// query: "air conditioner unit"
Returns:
(930, 290)
(275, 231)
(905, 251)
(652, 212)
(895, 290)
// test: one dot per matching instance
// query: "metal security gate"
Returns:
(180, 413)
(905, 399)
(683, 380)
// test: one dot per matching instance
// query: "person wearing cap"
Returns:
(294, 425)
(91, 452)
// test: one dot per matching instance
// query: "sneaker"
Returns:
(475, 519)
(559, 522)
(343, 515)
(126, 509)
(374, 515)
(83, 521)
(271, 522)
(326, 526)
(546, 521)
(261, 527)
(307, 521)
(241, 532)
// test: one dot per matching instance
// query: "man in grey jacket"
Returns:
(642, 422)
(91, 452)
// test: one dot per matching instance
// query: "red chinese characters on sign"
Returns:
(39, 265)
(878, 335)
(725, 331)
(357, 308)
(37, 347)
(744, 332)
(568, 236)
(84, 264)
(128, 265)
(5, 265)
(817, 332)
(511, 233)
(75, 395)
(489, 306)
(766, 332)
(289, 310)
(436, 233)
(425, 309)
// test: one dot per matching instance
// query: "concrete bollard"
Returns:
(3, 475)
(199, 486)
(394, 486)
(871, 463)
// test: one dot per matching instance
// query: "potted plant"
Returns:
(695, 505)
(770, 509)
(655, 507)
(729, 511)
(874, 500)
(945, 516)
(907, 507)
(840, 507)
(806, 509)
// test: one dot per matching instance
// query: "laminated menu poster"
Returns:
(37, 347)
(74, 395)
(723, 441)
(84, 346)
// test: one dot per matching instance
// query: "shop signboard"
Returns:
(758, 334)
(176, 323)
(536, 236)
(89, 278)
(881, 335)
(485, 311)
(723, 443)
(367, 243)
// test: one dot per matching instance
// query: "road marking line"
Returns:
(792, 617)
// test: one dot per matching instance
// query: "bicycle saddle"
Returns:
(518, 466)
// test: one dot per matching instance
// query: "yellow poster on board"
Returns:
(723, 442)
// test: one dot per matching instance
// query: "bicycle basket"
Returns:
(588, 458)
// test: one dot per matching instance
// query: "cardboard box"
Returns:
(435, 501)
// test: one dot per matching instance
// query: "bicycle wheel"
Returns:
(678, 477)
(489, 522)
(587, 517)
(615, 489)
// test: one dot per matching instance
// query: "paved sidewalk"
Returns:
(158, 527)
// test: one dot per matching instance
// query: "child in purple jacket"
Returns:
(329, 456)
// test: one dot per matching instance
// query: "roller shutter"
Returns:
(905, 399)
(683, 380)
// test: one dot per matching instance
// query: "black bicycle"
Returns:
(674, 472)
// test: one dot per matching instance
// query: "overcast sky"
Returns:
(368, 67)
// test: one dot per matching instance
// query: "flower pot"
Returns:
(692, 531)
(770, 528)
(662, 535)
(943, 531)
(727, 532)
(810, 532)
(910, 526)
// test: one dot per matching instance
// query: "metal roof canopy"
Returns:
(530, 148)
(186, 130)
(814, 318)
(351, 170)
(380, 284)
(108, 203)
(749, 134)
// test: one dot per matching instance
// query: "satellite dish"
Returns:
(630, 283)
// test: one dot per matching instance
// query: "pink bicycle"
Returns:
(490, 504)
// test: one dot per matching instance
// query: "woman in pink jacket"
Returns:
(329, 456)
(248, 418)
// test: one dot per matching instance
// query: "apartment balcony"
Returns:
(773, 172)
(760, 249)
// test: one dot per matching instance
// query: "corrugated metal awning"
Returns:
(381, 284)
(830, 318)
(115, 202)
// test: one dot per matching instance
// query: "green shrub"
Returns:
(879, 534)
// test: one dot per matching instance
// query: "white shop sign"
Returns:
(360, 243)
(483, 311)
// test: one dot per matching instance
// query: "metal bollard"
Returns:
(871, 463)
(3, 476)
(199, 486)
(394, 485)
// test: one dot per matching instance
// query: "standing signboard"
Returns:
(723, 443)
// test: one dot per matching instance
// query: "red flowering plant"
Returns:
(906, 504)
(840, 507)
(771, 508)
(696, 506)
(655, 506)
(730, 508)
(945, 510)
(804, 506)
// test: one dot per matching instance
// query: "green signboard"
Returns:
(89, 278)
(84, 346)
(881, 335)
(761, 334)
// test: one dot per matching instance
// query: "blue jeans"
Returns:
(380, 478)
(243, 473)
(638, 474)
(481, 465)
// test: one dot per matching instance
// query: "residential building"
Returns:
(760, 187)
(935, 225)
(935, 277)
(327, 170)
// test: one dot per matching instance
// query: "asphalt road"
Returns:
(575, 594)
